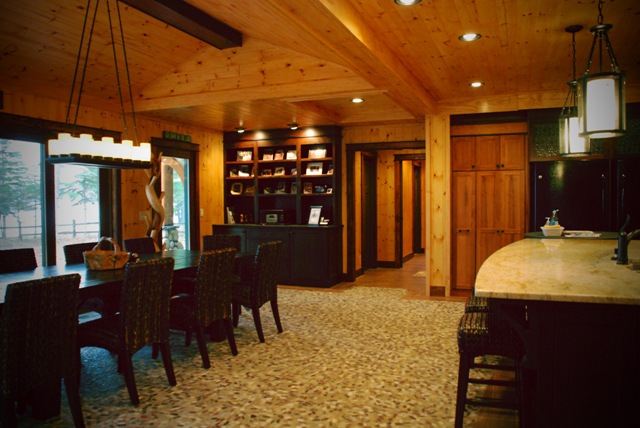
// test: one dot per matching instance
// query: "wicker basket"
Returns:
(97, 259)
(552, 231)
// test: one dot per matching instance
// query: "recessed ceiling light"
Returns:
(407, 2)
(240, 129)
(476, 84)
(469, 37)
(293, 126)
(357, 100)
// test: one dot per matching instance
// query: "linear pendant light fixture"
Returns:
(84, 149)
(601, 95)
(571, 143)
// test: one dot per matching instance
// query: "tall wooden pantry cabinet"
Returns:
(488, 195)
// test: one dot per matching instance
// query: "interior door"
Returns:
(369, 212)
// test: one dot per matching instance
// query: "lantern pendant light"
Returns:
(571, 143)
(601, 95)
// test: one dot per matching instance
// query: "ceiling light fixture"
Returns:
(601, 96)
(84, 149)
(407, 2)
(293, 126)
(357, 100)
(571, 143)
(476, 84)
(240, 129)
(469, 37)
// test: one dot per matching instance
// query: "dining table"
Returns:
(104, 285)
(577, 312)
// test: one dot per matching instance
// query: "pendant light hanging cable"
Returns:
(117, 71)
(126, 66)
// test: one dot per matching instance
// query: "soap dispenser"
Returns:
(554, 218)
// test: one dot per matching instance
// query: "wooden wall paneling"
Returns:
(386, 209)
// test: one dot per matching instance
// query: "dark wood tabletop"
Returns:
(95, 283)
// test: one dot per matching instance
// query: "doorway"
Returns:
(369, 234)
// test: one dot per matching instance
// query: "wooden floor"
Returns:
(411, 277)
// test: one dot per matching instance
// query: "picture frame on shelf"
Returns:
(294, 188)
(308, 188)
(314, 168)
(244, 155)
(292, 155)
(279, 170)
(266, 172)
(314, 215)
(244, 171)
(294, 171)
(318, 152)
(330, 170)
(250, 190)
(236, 188)
(279, 155)
(282, 187)
(233, 173)
(329, 189)
(268, 155)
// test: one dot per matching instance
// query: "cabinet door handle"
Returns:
(464, 230)
(497, 165)
(473, 165)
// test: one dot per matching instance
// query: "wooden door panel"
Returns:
(486, 190)
(463, 194)
(510, 206)
(487, 244)
(464, 266)
(463, 153)
(487, 152)
(512, 151)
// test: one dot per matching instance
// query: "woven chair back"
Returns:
(219, 241)
(213, 285)
(140, 245)
(73, 252)
(144, 303)
(38, 333)
(17, 260)
(265, 272)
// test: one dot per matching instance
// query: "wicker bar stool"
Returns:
(482, 334)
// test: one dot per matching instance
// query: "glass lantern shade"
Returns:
(571, 143)
(601, 105)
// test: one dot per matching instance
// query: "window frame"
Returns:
(15, 127)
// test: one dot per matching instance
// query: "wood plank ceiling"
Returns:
(302, 61)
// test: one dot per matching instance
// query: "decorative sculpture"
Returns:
(154, 224)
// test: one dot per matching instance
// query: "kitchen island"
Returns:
(578, 314)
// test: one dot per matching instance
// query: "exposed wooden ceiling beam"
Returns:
(191, 20)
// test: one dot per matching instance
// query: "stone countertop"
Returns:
(561, 270)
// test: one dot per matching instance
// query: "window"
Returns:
(21, 199)
(175, 185)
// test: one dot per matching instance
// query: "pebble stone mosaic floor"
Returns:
(365, 357)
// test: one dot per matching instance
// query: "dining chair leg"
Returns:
(276, 314)
(463, 383)
(73, 397)
(258, 323)
(168, 363)
(236, 313)
(202, 346)
(124, 361)
(228, 326)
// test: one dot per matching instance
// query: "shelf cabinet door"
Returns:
(463, 153)
(464, 229)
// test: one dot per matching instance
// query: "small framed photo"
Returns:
(244, 155)
(233, 173)
(294, 188)
(314, 168)
(279, 171)
(266, 173)
(250, 190)
(294, 171)
(329, 189)
(330, 171)
(317, 152)
(314, 215)
(282, 187)
(279, 155)
(268, 155)
(292, 155)
(308, 188)
(236, 188)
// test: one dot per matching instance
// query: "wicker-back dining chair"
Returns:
(74, 253)
(259, 286)
(17, 260)
(142, 319)
(38, 342)
(221, 240)
(209, 303)
(143, 245)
